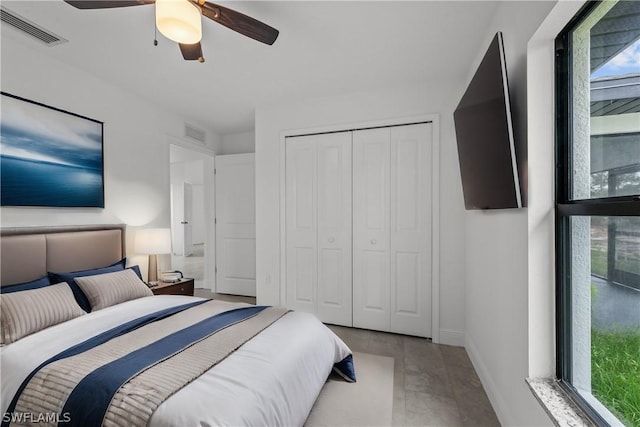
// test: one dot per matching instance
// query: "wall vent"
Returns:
(29, 28)
(195, 133)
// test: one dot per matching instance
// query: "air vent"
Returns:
(195, 133)
(29, 28)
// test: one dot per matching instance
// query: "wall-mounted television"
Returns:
(484, 133)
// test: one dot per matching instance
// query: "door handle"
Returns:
(331, 239)
(184, 222)
(374, 241)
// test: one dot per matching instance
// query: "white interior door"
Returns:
(198, 220)
(187, 219)
(301, 228)
(177, 215)
(410, 239)
(358, 227)
(371, 210)
(318, 209)
(235, 224)
(334, 228)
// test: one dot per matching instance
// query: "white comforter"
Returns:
(258, 385)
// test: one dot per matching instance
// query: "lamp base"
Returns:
(152, 274)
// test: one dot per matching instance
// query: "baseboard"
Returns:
(449, 337)
(206, 284)
(499, 405)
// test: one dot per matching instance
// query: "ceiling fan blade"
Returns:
(192, 52)
(240, 23)
(107, 4)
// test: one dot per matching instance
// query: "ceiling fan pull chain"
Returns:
(155, 35)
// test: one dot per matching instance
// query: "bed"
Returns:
(139, 359)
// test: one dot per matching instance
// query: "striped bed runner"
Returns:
(119, 378)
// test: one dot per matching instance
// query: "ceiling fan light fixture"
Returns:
(179, 20)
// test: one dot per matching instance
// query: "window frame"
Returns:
(566, 208)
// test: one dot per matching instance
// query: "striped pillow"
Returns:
(105, 290)
(27, 312)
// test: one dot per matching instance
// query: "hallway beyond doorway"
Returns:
(191, 266)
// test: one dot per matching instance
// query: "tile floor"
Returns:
(434, 385)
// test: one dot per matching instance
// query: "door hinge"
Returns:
(216, 268)
(215, 220)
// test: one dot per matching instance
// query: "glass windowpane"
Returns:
(605, 80)
(605, 288)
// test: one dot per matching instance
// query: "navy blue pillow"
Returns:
(26, 286)
(136, 270)
(77, 293)
(121, 263)
(346, 369)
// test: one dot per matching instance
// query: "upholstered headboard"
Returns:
(28, 253)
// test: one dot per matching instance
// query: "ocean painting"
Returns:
(49, 157)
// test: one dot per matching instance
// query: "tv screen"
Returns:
(484, 133)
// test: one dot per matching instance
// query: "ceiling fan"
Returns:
(180, 21)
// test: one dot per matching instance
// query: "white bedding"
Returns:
(273, 379)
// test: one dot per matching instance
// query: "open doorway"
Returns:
(192, 214)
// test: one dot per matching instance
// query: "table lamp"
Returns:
(153, 242)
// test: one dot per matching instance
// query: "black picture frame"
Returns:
(49, 157)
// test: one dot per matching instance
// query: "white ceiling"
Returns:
(324, 48)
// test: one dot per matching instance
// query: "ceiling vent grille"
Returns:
(195, 133)
(29, 28)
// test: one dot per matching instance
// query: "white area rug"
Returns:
(368, 402)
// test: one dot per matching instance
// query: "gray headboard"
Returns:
(28, 253)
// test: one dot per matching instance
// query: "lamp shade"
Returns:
(153, 241)
(179, 20)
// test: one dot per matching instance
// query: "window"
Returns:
(598, 210)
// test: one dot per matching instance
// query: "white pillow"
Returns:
(27, 312)
(105, 290)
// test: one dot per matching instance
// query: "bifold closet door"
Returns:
(301, 220)
(410, 230)
(392, 229)
(318, 218)
(334, 228)
(371, 211)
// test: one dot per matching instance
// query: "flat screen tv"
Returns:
(484, 132)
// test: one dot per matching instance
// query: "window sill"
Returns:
(557, 404)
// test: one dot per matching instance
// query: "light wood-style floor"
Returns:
(434, 385)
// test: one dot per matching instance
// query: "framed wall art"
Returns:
(49, 157)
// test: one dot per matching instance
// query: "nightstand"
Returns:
(183, 287)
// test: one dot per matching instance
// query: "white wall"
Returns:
(239, 143)
(136, 153)
(497, 254)
(271, 121)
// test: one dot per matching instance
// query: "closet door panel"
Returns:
(375, 272)
(406, 266)
(410, 238)
(334, 228)
(301, 240)
(303, 277)
(371, 210)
